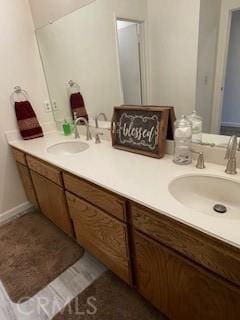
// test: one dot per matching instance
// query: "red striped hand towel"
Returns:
(27, 121)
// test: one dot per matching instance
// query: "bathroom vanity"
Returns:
(174, 259)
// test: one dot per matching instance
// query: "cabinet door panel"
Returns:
(27, 184)
(103, 235)
(179, 288)
(52, 202)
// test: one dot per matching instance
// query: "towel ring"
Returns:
(17, 91)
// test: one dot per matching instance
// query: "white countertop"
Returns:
(138, 178)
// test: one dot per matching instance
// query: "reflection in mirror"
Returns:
(230, 120)
(83, 47)
(145, 52)
(131, 58)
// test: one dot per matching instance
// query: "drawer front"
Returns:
(27, 184)
(101, 234)
(179, 288)
(207, 251)
(105, 200)
(45, 170)
(19, 156)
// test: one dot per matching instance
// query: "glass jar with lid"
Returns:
(182, 141)
(197, 125)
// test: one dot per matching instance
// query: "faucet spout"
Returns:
(231, 156)
(102, 114)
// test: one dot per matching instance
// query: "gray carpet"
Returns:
(33, 252)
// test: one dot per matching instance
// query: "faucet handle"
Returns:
(89, 135)
(97, 137)
(200, 160)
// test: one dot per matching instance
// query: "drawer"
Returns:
(19, 156)
(45, 170)
(103, 199)
(207, 251)
(102, 235)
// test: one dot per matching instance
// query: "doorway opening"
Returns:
(230, 122)
(131, 61)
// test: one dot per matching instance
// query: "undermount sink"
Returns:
(68, 148)
(211, 195)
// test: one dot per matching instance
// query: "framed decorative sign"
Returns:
(140, 129)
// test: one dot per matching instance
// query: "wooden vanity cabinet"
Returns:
(102, 235)
(213, 254)
(52, 202)
(25, 176)
(50, 193)
(27, 184)
(186, 274)
(179, 288)
(103, 199)
(183, 272)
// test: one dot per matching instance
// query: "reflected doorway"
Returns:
(230, 123)
(131, 60)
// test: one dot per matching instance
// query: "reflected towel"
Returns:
(27, 121)
(78, 105)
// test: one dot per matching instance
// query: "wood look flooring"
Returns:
(53, 298)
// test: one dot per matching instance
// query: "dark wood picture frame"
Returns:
(164, 118)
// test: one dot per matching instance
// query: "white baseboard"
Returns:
(231, 124)
(12, 213)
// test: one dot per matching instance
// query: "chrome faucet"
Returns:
(102, 114)
(231, 156)
(76, 132)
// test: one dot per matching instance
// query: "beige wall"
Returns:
(173, 37)
(44, 11)
(20, 65)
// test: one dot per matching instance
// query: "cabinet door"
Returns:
(102, 235)
(178, 287)
(52, 202)
(27, 184)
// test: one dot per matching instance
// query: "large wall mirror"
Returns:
(142, 52)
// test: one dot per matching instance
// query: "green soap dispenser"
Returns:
(67, 128)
